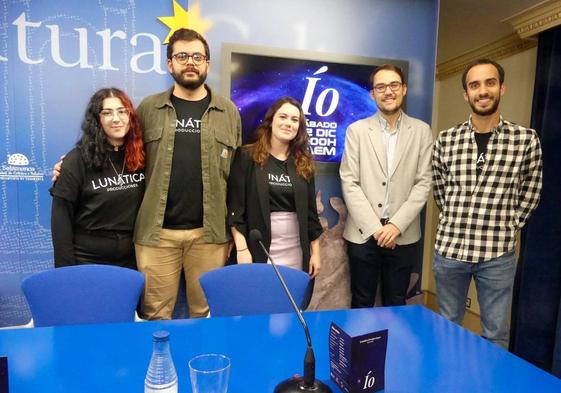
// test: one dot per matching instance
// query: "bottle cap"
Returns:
(160, 335)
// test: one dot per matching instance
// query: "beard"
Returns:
(392, 111)
(389, 112)
(485, 112)
(189, 84)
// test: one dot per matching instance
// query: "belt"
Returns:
(115, 234)
(384, 221)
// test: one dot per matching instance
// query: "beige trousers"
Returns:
(162, 264)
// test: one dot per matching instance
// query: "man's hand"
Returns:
(391, 245)
(57, 168)
(231, 246)
(387, 235)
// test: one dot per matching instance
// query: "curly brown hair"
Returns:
(298, 149)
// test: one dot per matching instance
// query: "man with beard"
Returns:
(386, 178)
(190, 135)
(487, 176)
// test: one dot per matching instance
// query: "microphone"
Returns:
(308, 383)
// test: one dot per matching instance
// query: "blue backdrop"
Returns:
(55, 54)
(536, 322)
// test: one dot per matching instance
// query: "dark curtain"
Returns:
(536, 323)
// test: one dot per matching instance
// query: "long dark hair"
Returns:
(298, 149)
(94, 146)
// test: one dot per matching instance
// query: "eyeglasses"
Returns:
(183, 57)
(381, 87)
(109, 114)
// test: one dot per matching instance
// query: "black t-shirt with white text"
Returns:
(482, 139)
(184, 208)
(106, 199)
(281, 193)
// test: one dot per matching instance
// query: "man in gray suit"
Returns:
(386, 178)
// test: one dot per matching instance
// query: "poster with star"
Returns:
(54, 56)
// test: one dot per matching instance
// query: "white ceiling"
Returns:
(468, 24)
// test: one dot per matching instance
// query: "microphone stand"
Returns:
(308, 383)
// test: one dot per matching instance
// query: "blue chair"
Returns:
(83, 294)
(254, 288)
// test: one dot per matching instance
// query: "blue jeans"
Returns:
(493, 281)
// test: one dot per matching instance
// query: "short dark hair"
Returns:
(387, 67)
(474, 63)
(186, 35)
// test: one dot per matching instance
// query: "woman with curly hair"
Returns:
(271, 188)
(100, 187)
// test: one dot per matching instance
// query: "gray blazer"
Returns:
(364, 178)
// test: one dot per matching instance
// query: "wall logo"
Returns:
(105, 42)
(17, 168)
(182, 18)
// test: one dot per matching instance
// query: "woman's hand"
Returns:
(244, 256)
(315, 265)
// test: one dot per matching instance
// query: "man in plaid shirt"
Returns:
(487, 175)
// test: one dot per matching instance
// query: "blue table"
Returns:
(425, 353)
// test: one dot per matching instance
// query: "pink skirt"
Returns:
(285, 240)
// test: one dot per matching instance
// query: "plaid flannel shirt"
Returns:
(480, 215)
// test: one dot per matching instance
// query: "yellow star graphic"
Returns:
(181, 18)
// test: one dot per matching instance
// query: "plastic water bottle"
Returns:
(161, 376)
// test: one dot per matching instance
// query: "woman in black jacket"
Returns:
(271, 188)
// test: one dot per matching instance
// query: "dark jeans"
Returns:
(369, 262)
